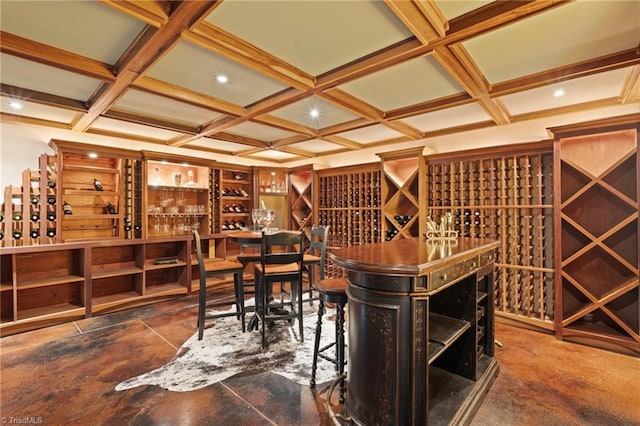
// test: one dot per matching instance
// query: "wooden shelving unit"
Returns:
(507, 196)
(53, 283)
(177, 198)
(91, 219)
(348, 201)
(233, 198)
(402, 171)
(597, 226)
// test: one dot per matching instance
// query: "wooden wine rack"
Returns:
(504, 196)
(301, 201)
(348, 201)
(597, 225)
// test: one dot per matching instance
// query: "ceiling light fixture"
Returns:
(314, 112)
(222, 79)
(558, 93)
(93, 155)
(15, 104)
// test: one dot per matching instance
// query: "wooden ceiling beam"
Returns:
(20, 93)
(171, 91)
(283, 124)
(52, 56)
(147, 52)
(630, 91)
(343, 142)
(154, 13)
(424, 19)
(221, 42)
(21, 119)
(344, 100)
(405, 129)
(229, 137)
(298, 152)
(430, 106)
(346, 126)
(149, 121)
(290, 140)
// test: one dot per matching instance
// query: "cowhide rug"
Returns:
(226, 351)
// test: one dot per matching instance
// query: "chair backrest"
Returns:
(282, 247)
(203, 272)
(318, 245)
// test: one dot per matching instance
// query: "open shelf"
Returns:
(443, 331)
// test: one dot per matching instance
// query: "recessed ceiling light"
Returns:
(93, 155)
(15, 105)
(558, 93)
(314, 113)
(222, 79)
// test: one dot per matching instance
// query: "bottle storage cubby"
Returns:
(301, 201)
(235, 199)
(272, 181)
(597, 257)
(89, 201)
(401, 193)
(506, 198)
(165, 266)
(349, 203)
(178, 199)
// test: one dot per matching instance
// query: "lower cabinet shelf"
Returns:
(443, 331)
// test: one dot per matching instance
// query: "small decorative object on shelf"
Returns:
(97, 184)
(66, 208)
(177, 178)
(190, 181)
(111, 209)
(442, 231)
(165, 260)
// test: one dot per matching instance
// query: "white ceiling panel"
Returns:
(32, 109)
(314, 36)
(565, 35)
(132, 129)
(19, 72)
(405, 84)
(447, 118)
(316, 146)
(370, 134)
(139, 102)
(591, 88)
(88, 28)
(328, 113)
(273, 155)
(244, 87)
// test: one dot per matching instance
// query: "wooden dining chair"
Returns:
(218, 268)
(281, 258)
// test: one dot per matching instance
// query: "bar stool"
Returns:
(331, 290)
(217, 268)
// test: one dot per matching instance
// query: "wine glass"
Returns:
(255, 216)
(268, 218)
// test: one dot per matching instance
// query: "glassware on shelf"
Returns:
(177, 178)
(190, 181)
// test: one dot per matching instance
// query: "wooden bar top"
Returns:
(409, 257)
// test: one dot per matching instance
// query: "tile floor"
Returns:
(66, 375)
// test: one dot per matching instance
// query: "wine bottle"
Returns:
(1, 236)
(34, 217)
(51, 216)
(1, 217)
(51, 232)
(51, 199)
(97, 184)
(17, 234)
(17, 216)
(66, 208)
(243, 192)
(111, 208)
(51, 184)
(35, 233)
(35, 199)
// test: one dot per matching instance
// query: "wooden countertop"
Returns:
(409, 257)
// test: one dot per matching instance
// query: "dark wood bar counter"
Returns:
(421, 330)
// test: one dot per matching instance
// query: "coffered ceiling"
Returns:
(307, 79)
